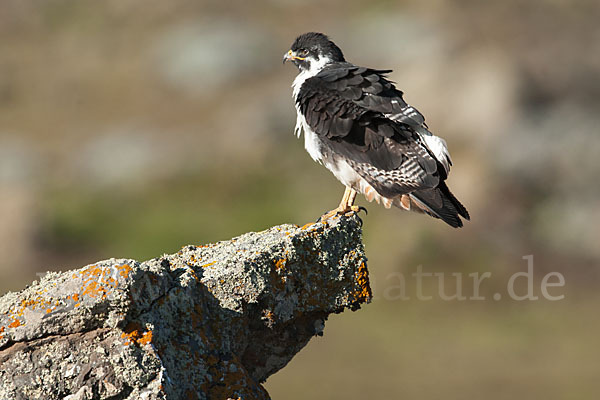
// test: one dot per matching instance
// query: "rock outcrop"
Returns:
(209, 322)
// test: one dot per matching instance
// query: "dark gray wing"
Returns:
(376, 93)
(349, 108)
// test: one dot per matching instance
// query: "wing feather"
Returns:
(349, 108)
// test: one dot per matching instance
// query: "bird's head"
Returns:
(312, 51)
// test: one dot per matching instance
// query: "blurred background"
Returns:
(131, 128)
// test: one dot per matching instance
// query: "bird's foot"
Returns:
(342, 211)
(357, 209)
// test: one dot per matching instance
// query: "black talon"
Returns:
(361, 208)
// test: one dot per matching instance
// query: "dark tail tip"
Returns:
(441, 203)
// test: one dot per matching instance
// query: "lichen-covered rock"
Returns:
(209, 322)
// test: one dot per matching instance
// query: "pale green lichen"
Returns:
(210, 321)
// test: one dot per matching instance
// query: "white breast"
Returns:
(311, 139)
(312, 144)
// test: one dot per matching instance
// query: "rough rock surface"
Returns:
(209, 322)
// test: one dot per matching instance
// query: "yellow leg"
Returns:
(346, 205)
(351, 198)
(345, 198)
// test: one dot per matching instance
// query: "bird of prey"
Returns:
(357, 124)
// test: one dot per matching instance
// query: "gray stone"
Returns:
(209, 322)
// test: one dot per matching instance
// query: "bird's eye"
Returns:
(303, 52)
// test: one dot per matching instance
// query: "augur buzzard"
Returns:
(357, 124)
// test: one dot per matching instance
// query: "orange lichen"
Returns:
(93, 290)
(14, 324)
(306, 226)
(269, 316)
(363, 293)
(208, 265)
(280, 264)
(146, 338)
(132, 333)
(193, 274)
(92, 284)
(124, 270)
(33, 303)
(99, 281)
(43, 304)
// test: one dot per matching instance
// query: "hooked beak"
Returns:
(290, 56)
